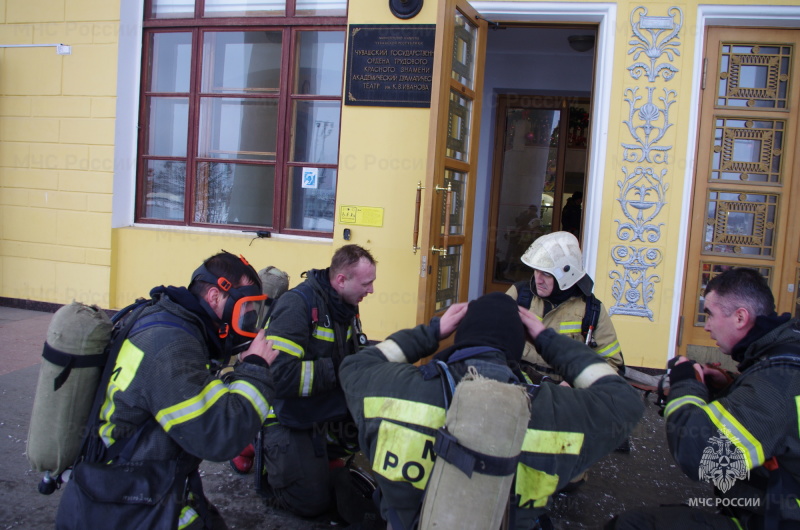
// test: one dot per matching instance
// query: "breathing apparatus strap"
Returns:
(467, 460)
(70, 361)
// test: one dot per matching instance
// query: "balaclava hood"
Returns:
(492, 320)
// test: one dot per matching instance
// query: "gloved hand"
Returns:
(681, 368)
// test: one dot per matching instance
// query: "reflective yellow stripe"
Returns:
(553, 442)
(285, 345)
(609, 350)
(125, 367)
(738, 524)
(321, 333)
(251, 394)
(306, 378)
(349, 332)
(728, 426)
(534, 487)
(188, 516)
(797, 404)
(193, 407)
(405, 411)
(677, 403)
(736, 433)
(570, 327)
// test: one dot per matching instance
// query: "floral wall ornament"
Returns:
(654, 37)
(642, 196)
(641, 125)
(633, 289)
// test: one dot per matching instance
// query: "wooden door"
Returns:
(748, 175)
(454, 153)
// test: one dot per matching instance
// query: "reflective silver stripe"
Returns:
(306, 377)
(188, 515)
(287, 346)
(736, 433)
(193, 407)
(610, 350)
(592, 373)
(391, 350)
(321, 333)
(677, 403)
(251, 393)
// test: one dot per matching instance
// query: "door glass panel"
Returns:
(754, 75)
(464, 35)
(320, 65)
(740, 223)
(234, 193)
(244, 8)
(447, 279)
(164, 188)
(169, 119)
(458, 186)
(238, 128)
(170, 62)
(312, 198)
(748, 150)
(541, 176)
(241, 62)
(316, 132)
(709, 269)
(458, 127)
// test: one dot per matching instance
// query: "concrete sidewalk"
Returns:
(646, 476)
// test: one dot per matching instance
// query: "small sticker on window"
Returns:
(310, 177)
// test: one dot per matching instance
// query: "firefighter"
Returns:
(737, 431)
(559, 293)
(164, 408)
(399, 406)
(313, 327)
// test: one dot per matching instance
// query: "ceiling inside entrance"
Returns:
(536, 40)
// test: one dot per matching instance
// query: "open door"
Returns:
(456, 100)
(748, 172)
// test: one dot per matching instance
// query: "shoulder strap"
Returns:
(313, 312)
(524, 293)
(591, 315)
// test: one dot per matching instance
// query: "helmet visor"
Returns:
(244, 317)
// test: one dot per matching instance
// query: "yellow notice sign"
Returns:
(361, 215)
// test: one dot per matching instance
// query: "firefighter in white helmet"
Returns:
(559, 293)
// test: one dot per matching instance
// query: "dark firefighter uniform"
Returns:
(163, 372)
(745, 439)
(313, 329)
(398, 412)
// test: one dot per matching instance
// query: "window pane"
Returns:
(330, 8)
(241, 61)
(234, 194)
(168, 126)
(170, 62)
(316, 132)
(238, 128)
(321, 62)
(173, 9)
(312, 198)
(164, 182)
(244, 8)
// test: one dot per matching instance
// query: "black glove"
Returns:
(682, 371)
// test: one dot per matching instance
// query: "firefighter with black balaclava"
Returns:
(559, 293)
(401, 408)
(165, 408)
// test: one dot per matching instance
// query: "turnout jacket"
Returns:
(398, 413)
(163, 372)
(312, 338)
(565, 319)
(758, 415)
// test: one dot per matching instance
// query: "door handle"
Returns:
(447, 203)
(414, 247)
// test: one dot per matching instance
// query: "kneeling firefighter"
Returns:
(559, 293)
(161, 408)
(424, 444)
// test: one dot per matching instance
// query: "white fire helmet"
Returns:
(558, 254)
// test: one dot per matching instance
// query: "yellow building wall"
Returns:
(56, 143)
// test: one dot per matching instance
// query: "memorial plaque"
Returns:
(390, 65)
